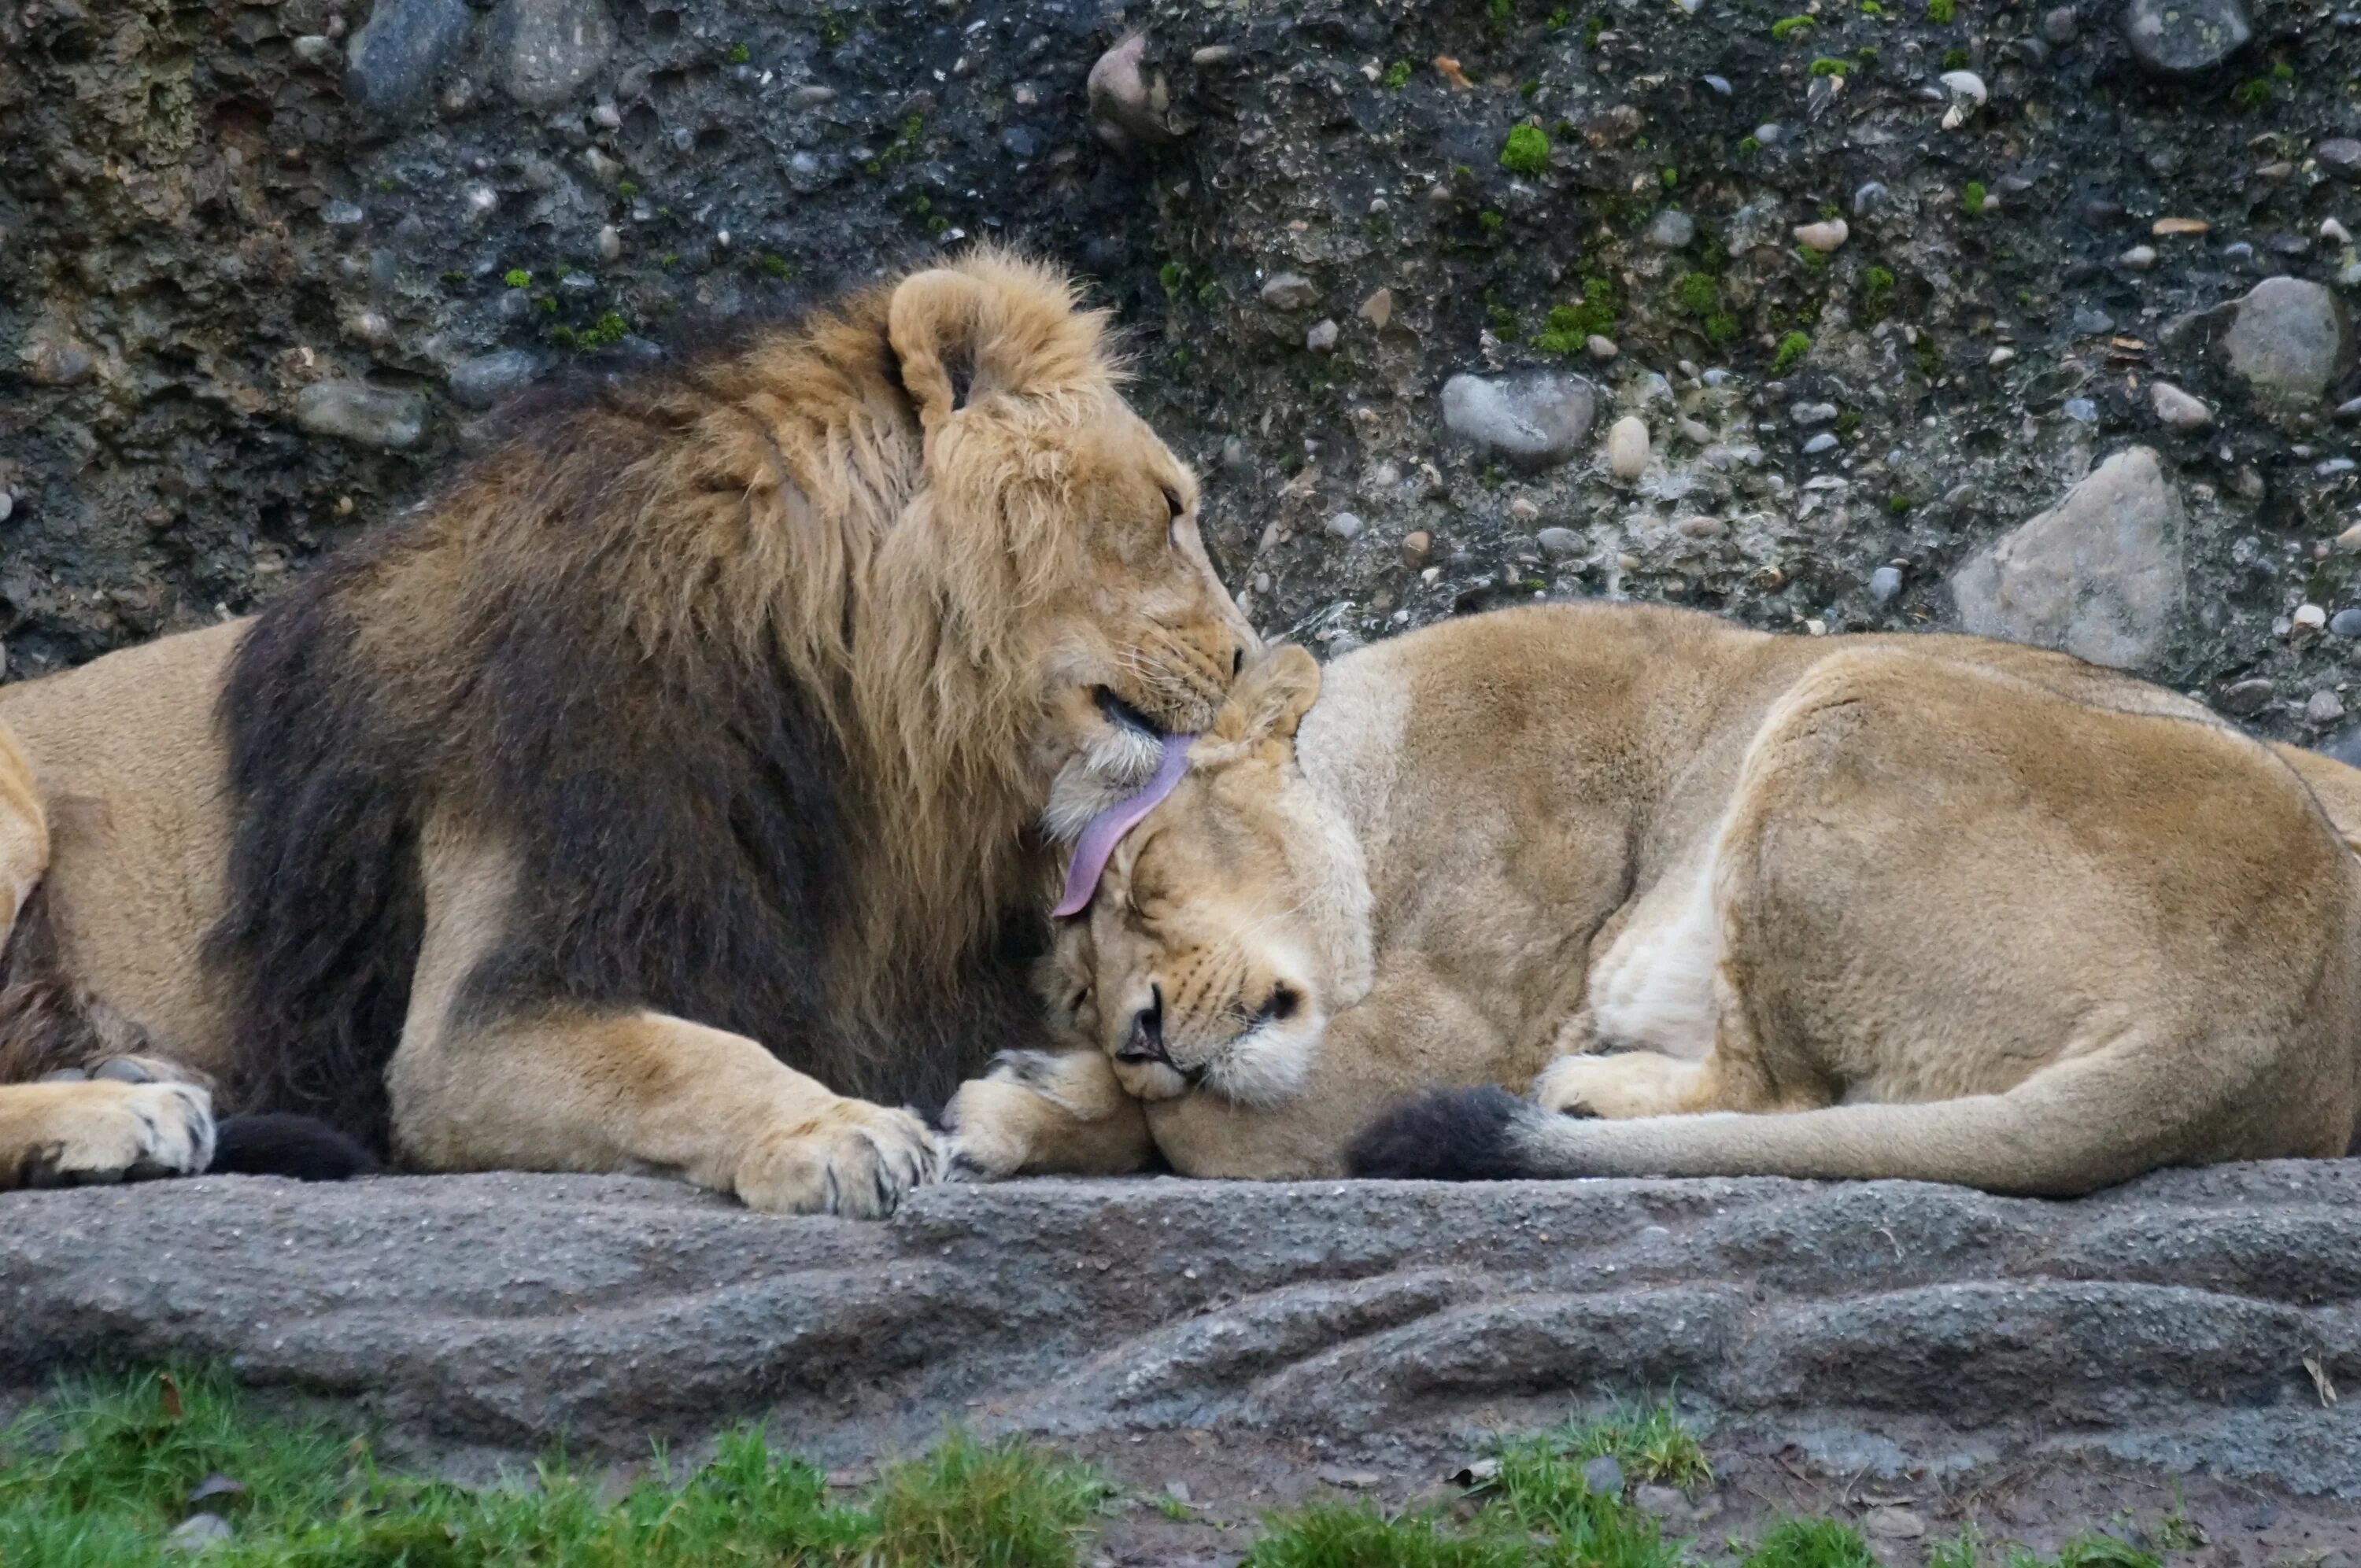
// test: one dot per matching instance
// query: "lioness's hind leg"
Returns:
(24, 832)
(102, 1130)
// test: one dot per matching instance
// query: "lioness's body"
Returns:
(1896, 906)
(656, 798)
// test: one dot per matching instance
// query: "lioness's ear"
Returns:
(1270, 697)
(936, 324)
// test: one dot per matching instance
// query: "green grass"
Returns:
(101, 1476)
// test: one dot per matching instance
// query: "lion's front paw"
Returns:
(854, 1159)
(990, 1119)
(106, 1130)
(1631, 1084)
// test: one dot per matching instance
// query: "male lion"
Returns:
(663, 783)
(1925, 907)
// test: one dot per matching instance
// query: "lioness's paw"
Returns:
(104, 1130)
(988, 1119)
(854, 1159)
(1625, 1085)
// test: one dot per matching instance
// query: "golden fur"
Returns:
(1928, 907)
(662, 784)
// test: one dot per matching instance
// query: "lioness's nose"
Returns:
(1145, 1040)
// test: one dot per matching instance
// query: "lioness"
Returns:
(1720, 902)
(663, 782)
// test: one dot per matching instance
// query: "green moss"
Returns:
(1848, 422)
(1812, 260)
(1748, 147)
(1526, 152)
(1695, 293)
(1899, 504)
(1530, 89)
(1497, 12)
(776, 266)
(627, 188)
(1939, 12)
(740, 54)
(1504, 324)
(1559, 20)
(668, 260)
(1791, 350)
(1173, 276)
(1671, 177)
(1876, 295)
(1397, 76)
(1490, 220)
(832, 31)
(1955, 59)
(1592, 27)
(1570, 327)
(518, 277)
(2283, 71)
(1824, 66)
(2252, 94)
(1868, 56)
(1972, 197)
(1871, 8)
(1930, 357)
(1786, 27)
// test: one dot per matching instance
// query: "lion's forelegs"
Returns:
(475, 1088)
(1042, 1112)
(644, 1092)
(24, 832)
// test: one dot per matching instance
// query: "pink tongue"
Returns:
(1107, 828)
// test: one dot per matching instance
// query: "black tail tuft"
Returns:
(1462, 1134)
(280, 1145)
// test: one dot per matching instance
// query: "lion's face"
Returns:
(1229, 924)
(1149, 641)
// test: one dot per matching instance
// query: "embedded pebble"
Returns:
(2248, 698)
(1824, 441)
(1884, 584)
(483, 380)
(2177, 408)
(1823, 237)
(1345, 526)
(1290, 291)
(1893, 1524)
(2308, 618)
(2340, 154)
(1378, 308)
(1966, 85)
(2290, 339)
(2139, 258)
(1537, 418)
(2000, 357)
(1321, 339)
(1600, 347)
(1672, 229)
(354, 410)
(2058, 25)
(2335, 233)
(1417, 546)
(1813, 413)
(197, 1532)
(2185, 38)
(2345, 623)
(1869, 198)
(1603, 1477)
(7, 506)
(338, 213)
(1558, 543)
(1627, 447)
(2323, 707)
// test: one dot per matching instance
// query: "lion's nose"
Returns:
(1146, 1041)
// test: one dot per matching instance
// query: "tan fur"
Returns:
(951, 587)
(1926, 906)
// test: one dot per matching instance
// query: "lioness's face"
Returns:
(1221, 933)
(1151, 640)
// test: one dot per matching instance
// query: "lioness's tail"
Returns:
(2044, 1139)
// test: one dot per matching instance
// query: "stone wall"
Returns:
(1877, 284)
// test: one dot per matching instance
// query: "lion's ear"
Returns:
(936, 324)
(1270, 697)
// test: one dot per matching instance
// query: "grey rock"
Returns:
(1663, 1502)
(354, 410)
(2323, 707)
(1535, 419)
(197, 1532)
(2185, 38)
(2153, 1320)
(2081, 410)
(1809, 414)
(2100, 574)
(2059, 24)
(2177, 408)
(2246, 698)
(1129, 103)
(486, 379)
(7, 506)
(2290, 338)
(1321, 339)
(1824, 441)
(1559, 544)
(1870, 197)
(1603, 1477)
(393, 61)
(1892, 1524)
(2340, 154)
(1719, 84)
(338, 213)
(1290, 291)
(1672, 229)
(2345, 623)
(1344, 525)
(1884, 584)
(545, 51)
